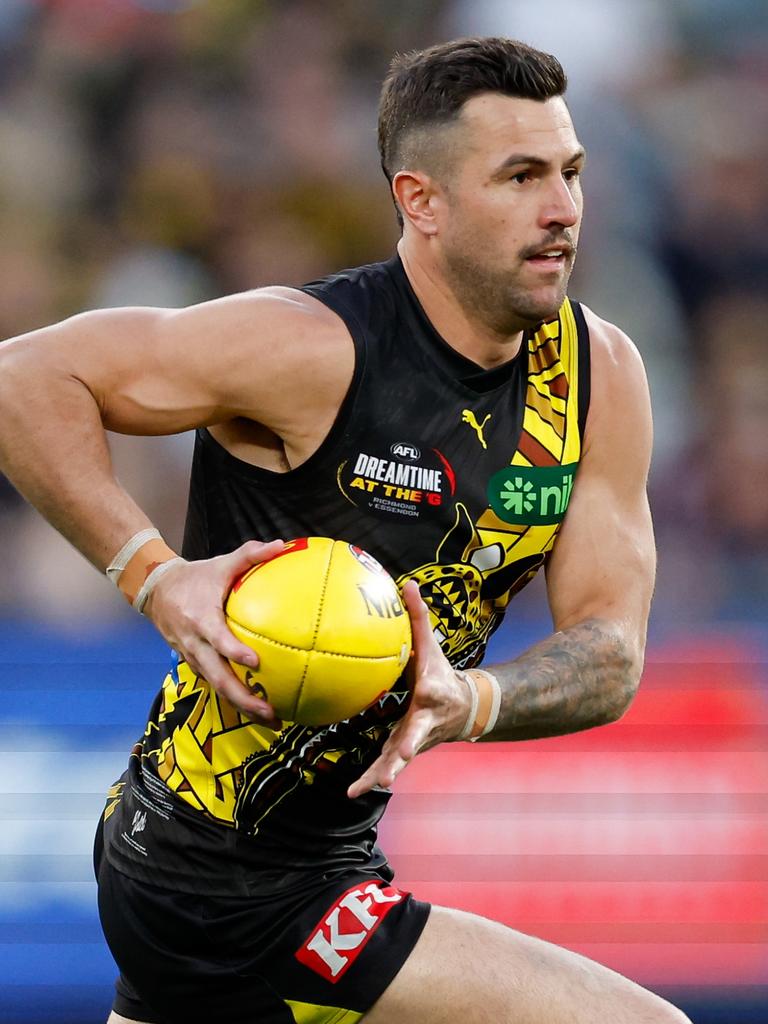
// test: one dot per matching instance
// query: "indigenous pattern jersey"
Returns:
(449, 474)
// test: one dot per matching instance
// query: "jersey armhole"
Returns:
(585, 374)
(306, 470)
(356, 331)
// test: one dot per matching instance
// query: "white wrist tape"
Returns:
(485, 704)
(475, 700)
(128, 550)
(151, 581)
(495, 705)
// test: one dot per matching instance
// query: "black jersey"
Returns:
(449, 474)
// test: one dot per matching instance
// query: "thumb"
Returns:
(421, 626)
(248, 555)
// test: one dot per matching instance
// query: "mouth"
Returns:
(550, 263)
(552, 259)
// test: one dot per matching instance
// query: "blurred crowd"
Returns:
(162, 152)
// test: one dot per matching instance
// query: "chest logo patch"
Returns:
(467, 416)
(531, 495)
(402, 481)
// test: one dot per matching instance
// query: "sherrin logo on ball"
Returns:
(329, 626)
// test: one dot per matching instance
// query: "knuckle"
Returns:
(230, 647)
(251, 549)
(206, 627)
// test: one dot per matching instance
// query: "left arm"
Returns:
(599, 581)
(601, 571)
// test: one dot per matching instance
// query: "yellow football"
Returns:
(329, 626)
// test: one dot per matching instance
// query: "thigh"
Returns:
(171, 971)
(469, 969)
(319, 955)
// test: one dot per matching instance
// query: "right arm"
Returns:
(274, 356)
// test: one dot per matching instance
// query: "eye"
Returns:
(521, 177)
(572, 174)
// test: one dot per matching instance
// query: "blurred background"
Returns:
(162, 152)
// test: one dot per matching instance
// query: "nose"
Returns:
(561, 205)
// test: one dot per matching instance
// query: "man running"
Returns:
(455, 414)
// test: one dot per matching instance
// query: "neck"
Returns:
(460, 327)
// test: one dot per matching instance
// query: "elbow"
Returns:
(628, 670)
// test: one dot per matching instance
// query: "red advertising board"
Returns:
(643, 844)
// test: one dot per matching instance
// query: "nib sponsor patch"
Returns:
(343, 932)
(532, 495)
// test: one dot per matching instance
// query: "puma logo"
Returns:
(467, 416)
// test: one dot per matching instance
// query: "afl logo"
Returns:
(405, 451)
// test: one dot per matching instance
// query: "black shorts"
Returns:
(319, 956)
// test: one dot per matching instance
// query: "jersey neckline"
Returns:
(459, 367)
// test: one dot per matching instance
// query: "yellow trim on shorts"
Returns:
(310, 1013)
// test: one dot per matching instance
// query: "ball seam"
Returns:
(313, 650)
(316, 630)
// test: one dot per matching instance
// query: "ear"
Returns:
(415, 193)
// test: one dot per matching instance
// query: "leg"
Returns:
(469, 969)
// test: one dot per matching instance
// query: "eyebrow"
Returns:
(536, 161)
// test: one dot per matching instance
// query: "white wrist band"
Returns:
(150, 582)
(493, 713)
(472, 708)
(484, 707)
(128, 550)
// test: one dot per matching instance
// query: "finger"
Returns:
(377, 775)
(217, 672)
(414, 735)
(250, 554)
(413, 599)
(227, 644)
(418, 612)
(401, 747)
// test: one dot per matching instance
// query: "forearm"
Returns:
(53, 448)
(578, 678)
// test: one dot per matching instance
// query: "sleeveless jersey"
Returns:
(449, 474)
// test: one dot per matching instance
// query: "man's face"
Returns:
(508, 226)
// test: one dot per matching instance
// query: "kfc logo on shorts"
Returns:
(340, 936)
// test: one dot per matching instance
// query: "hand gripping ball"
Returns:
(329, 626)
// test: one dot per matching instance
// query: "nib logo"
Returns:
(517, 496)
(532, 495)
(341, 935)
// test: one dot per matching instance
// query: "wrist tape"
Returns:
(485, 693)
(139, 564)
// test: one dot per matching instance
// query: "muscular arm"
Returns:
(579, 677)
(153, 371)
(276, 357)
(600, 575)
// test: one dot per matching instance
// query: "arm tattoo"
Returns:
(578, 678)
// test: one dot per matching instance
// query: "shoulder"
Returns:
(259, 352)
(611, 349)
(619, 386)
(345, 299)
(281, 327)
(273, 310)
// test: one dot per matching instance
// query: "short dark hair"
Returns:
(428, 88)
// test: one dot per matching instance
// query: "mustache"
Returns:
(560, 239)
